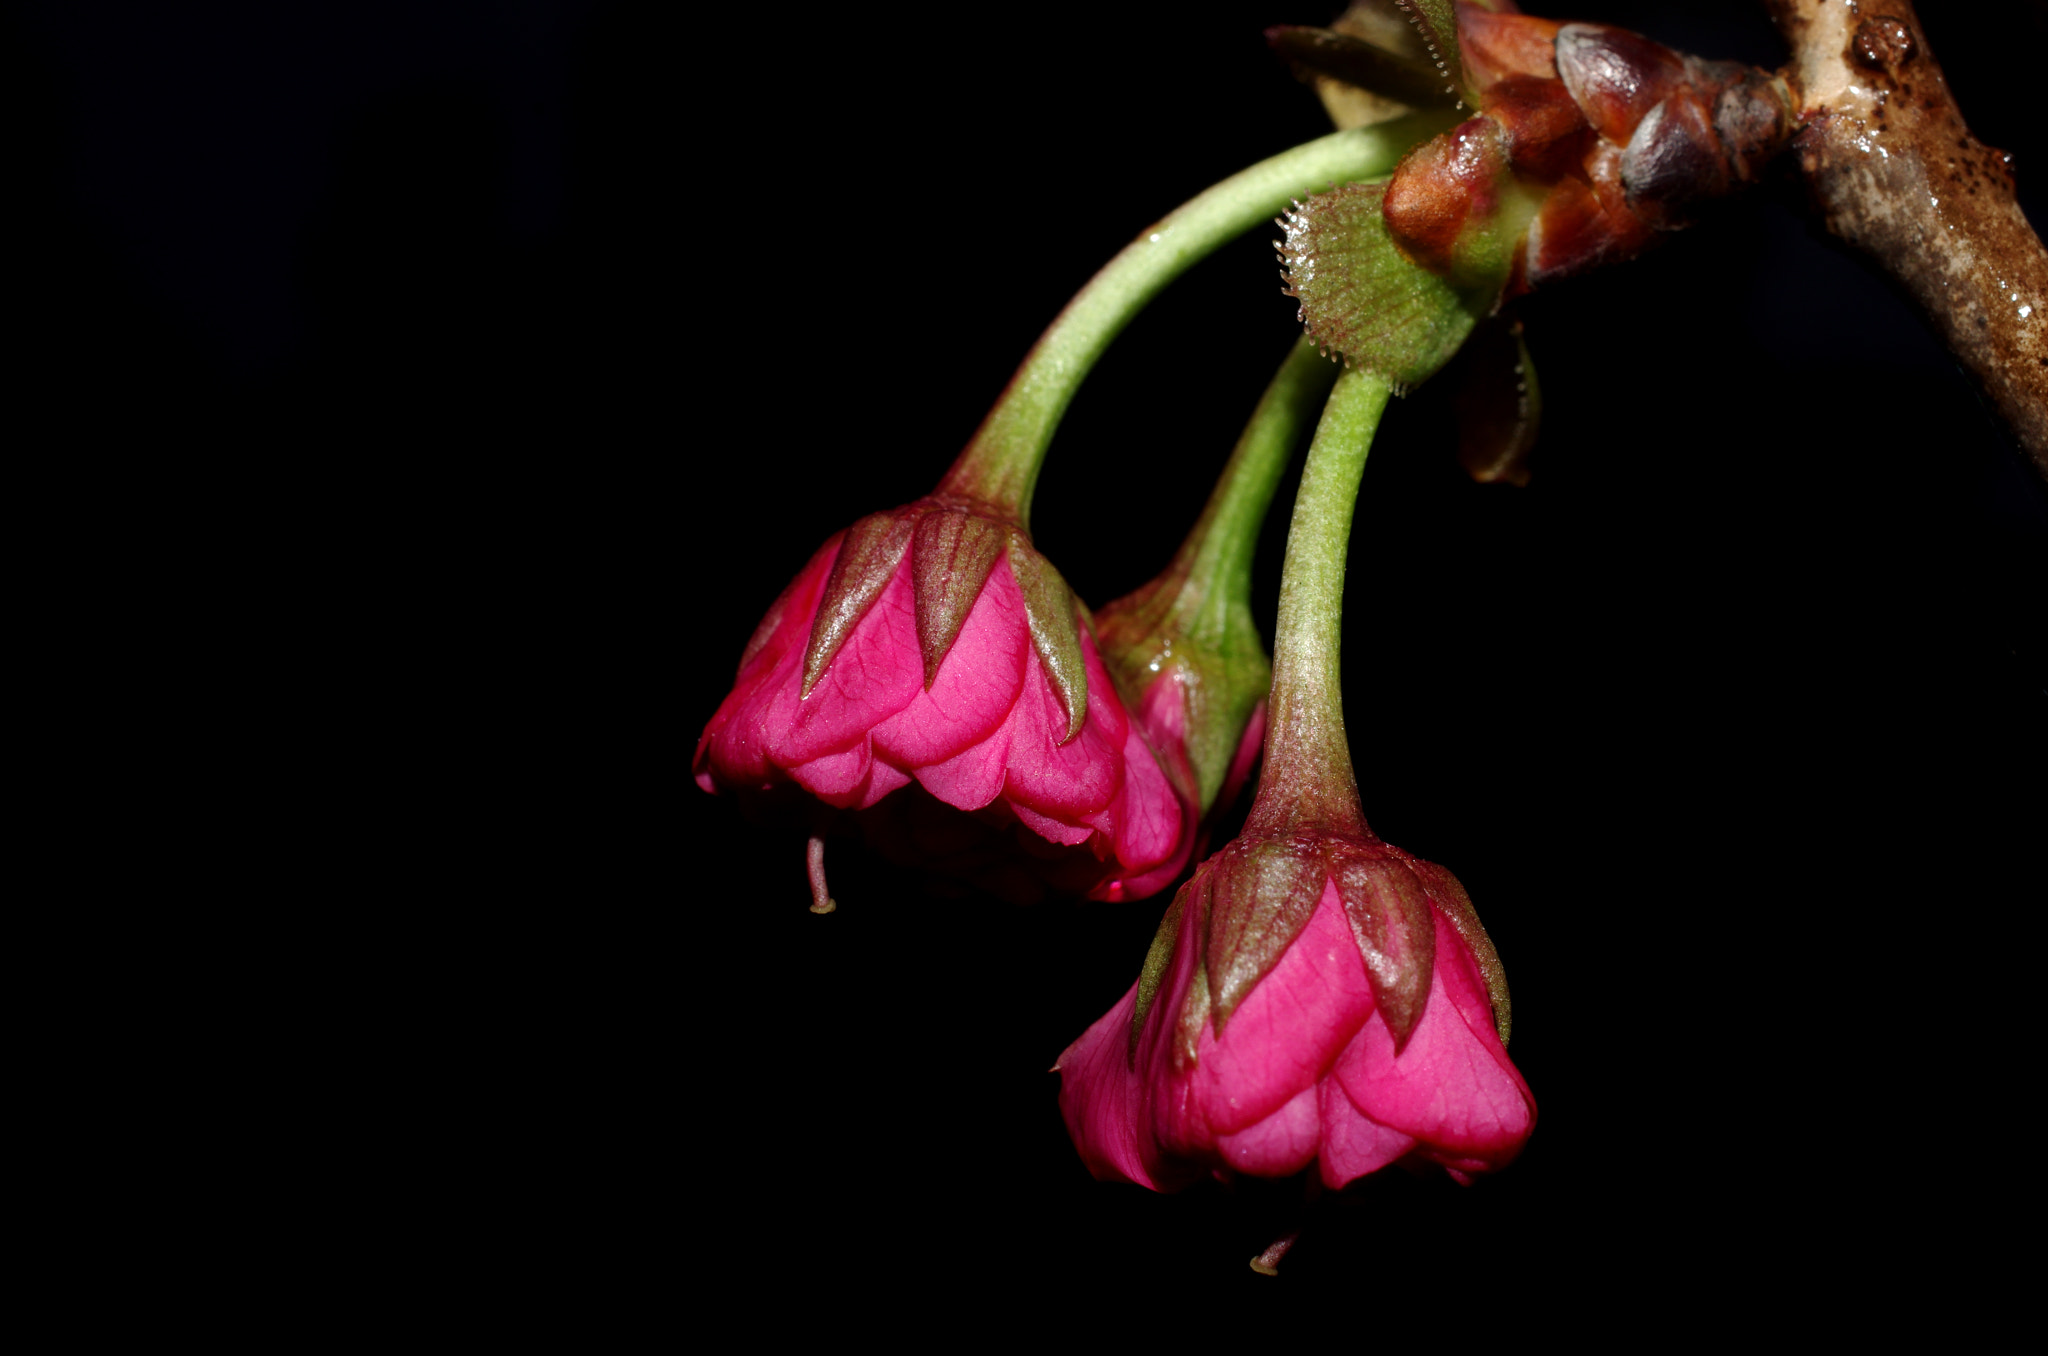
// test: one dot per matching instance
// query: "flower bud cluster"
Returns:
(1625, 137)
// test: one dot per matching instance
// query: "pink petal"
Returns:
(852, 780)
(882, 779)
(1452, 1087)
(1145, 823)
(1163, 710)
(1354, 1144)
(1101, 1100)
(1052, 830)
(876, 673)
(1153, 826)
(976, 685)
(1283, 1037)
(735, 744)
(1279, 1145)
(974, 777)
(794, 610)
(1081, 777)
(1248, 750)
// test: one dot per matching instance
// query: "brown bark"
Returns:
(1896, 173)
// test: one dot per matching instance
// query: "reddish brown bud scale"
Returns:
(1591, 141)
(1615, 76)
(1442, 184)
(1673, 163)
(1497, 46)
(1547, 136)
(1584, 225)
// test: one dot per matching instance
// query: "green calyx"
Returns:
(951, 550)
(1193, 625)
(1252, 900)
(1365, 301)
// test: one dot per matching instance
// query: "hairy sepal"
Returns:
(1358, 62)
(1437, 23)
(1050, 608)
(1366, 301)
(1449, 895)
(951, 555)
(1159, 958)
(868, 557)
(1263, 896)
(1388, 909)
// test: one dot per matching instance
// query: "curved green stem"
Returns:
(1198, 611)
(1216, 558)
(1308, 780)
(999, 467)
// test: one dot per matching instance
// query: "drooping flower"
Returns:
(934, 643)
(1368, 1037)
(1314, 994)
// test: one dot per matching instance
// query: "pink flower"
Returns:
(933, 643)
(1310, 999)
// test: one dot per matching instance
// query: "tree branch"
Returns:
(1896, 173)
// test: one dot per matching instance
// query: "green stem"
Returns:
(1216, 559)
(1308, 781)
(999, 467)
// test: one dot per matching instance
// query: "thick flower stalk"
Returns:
(1183, 648)
(933, 643)
(1314, 995)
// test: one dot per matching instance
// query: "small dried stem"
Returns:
(1895, 173)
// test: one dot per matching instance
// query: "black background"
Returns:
(431, 398)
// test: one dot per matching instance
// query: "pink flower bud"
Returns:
(934, 643)
(1310, 999)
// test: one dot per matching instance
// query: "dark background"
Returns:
(428, 398)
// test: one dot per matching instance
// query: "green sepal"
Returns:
(1189, 1021)
(1388, 910)
(1264, 897)
(1224, 672)
(1197, 902)
(1358, 62)
(951, 554)
(1363, 299)
(868, 557)
(1437, 22)
(1448, 894)
(1049, 606)
(1159, 959)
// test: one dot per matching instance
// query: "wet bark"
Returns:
(1895, 172)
